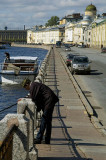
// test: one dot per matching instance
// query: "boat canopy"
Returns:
(24, 58)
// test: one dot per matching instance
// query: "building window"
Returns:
(61, 34)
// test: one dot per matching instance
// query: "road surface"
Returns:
(93, 85)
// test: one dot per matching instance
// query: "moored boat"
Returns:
(2, 47)
(15, 69)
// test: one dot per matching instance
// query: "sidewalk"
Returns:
(73, 135)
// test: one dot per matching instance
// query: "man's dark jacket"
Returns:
(43, 96)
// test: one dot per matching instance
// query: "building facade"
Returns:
(75, 17)
(80, 33)
(13, 35)
(69, 33)
(46, 35)
(98, 34)
(75, 29)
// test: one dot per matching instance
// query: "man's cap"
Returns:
(6, 53)
(25, 82)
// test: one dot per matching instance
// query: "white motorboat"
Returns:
(15, 69)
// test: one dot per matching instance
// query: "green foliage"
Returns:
(53, 21)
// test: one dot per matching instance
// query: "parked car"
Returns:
(67, 45)
(58, 44)
(69, 59)
(80, 64)
(82, 46)
(71, 45)
(67, 49)
(103, 50)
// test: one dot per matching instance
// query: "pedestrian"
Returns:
(45, 100)
(7, 56)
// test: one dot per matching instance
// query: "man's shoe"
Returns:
(47, 142)
(37, 141)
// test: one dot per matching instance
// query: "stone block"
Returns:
(20, 137)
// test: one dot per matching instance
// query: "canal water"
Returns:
(9, 94)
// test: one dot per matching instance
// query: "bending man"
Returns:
(45, 100)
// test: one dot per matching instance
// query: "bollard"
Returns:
(40, 76)
(30, 114)
(39, 79)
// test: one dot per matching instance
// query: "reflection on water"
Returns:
(9, 94)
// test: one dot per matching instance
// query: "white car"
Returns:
(80, 64)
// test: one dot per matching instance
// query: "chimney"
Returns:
(24, 27)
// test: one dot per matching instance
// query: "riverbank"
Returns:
(31, 46)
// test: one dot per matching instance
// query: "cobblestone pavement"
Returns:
(73, 135)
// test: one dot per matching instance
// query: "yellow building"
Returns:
(98, 33)
(90, 30)
(46, 35)
(63, 21)
(30, 35)
(69, 33)
(75, 17)
(78, 36)
(76, 32)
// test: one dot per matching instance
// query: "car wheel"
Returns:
(72, 72)
(88, 72)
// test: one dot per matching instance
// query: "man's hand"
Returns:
(19, 99)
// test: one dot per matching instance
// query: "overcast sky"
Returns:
(16, 13)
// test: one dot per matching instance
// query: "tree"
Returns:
(53, 21)
(5, 28)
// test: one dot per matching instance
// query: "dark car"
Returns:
(71, 45)
(69, 59)
(67, 45)
(58, 44)
(103, 50)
